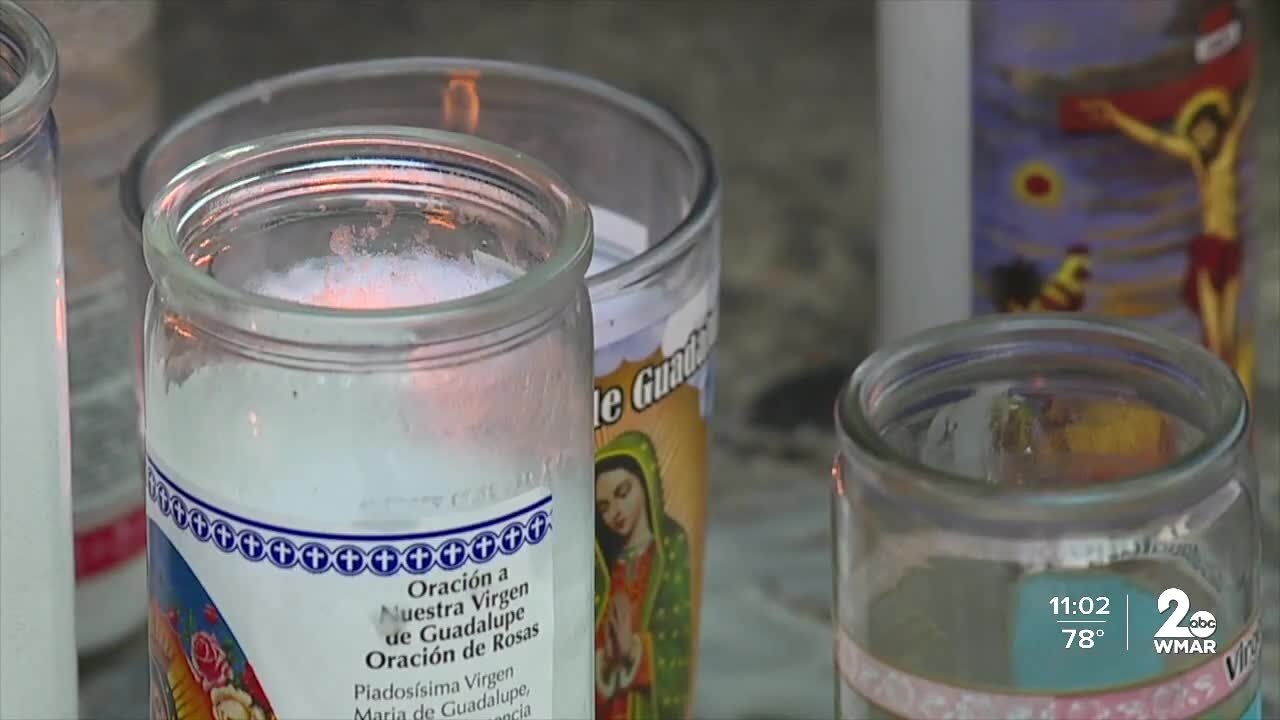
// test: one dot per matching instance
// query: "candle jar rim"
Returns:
(518, 306)
(666, 251)
(1193, 475)
(28, 50)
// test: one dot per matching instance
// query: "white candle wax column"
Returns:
(924, 89)
(379, 457)
(413, 450)
(37, 646)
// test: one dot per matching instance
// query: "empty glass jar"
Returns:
(1045, 516)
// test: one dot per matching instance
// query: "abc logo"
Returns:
(1202, 624)
(1181, 634)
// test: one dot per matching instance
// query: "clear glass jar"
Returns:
(654, 283)
(368, 430)
(37, 644)
(1045, 517)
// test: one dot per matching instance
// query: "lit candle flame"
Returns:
(461, 103)
(60, 314)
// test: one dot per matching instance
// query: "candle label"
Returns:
(1222, 686)
(1111, 153)
(251, 617)
(653, 392)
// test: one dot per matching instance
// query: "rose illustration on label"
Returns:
(199, 671)
(209, 660)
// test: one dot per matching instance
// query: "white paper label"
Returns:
(256, 619)
(618, 229)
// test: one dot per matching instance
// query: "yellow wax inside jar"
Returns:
(1110, 427)
(1111, 439)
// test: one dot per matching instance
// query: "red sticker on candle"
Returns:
(101, 548)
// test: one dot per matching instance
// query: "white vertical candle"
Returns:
(925, 152)
(37, 643)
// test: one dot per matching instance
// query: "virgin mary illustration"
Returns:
(643, 599)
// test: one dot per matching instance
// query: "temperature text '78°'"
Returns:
(1082, 638)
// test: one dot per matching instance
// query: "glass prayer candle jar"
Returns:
(367, 426)
(654, 284)
(1097, 158)
(1046, 517)
(37, 642)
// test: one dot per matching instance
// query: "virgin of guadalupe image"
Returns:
(643, 592)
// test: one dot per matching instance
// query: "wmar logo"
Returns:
(1193, 638)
